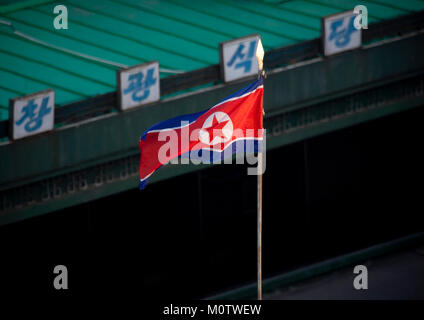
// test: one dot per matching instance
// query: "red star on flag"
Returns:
(215, 127)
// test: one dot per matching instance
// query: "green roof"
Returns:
(182, 35)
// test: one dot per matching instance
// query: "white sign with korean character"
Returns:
(32, 114)
(238, 58)
(138, 85)
(339, 33)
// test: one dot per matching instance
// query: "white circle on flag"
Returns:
(217, 128)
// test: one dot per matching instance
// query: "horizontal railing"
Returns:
(107, 102)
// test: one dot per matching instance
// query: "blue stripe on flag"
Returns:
(247, 146)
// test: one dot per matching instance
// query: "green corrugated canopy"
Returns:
(182, 35)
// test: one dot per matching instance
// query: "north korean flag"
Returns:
(217, 131)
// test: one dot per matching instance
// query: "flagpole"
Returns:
(260, 53)
(260, 225)
(260, 170)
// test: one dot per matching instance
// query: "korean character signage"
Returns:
(238, 58)
(138, 85)
(31, 114)
(340, 33)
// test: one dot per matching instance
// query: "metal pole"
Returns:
(260, 225)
